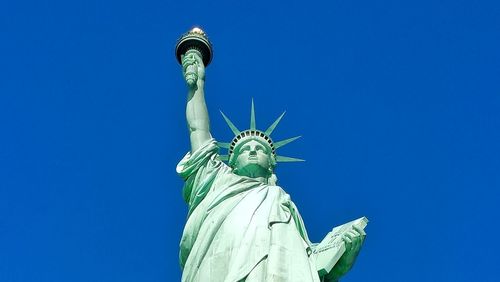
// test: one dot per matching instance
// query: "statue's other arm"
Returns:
(353, 241)
(196, 109)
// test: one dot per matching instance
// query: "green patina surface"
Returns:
(241, 225)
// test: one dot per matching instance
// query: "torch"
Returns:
(195, 39)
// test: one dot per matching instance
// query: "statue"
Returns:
(241, 226)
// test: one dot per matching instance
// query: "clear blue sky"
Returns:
(398, 103)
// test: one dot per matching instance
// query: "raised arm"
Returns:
(196, 109)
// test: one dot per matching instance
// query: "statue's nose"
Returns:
(253, 153)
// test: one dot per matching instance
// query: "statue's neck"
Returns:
(255, 172)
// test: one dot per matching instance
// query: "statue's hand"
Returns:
(193, 68)
(353, 241)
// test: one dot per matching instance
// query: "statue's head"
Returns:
(253, 157)
(252, 152)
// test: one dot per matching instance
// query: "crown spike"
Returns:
(230, 124)
(275, 123)
(284, 142)
(252, 117)
(283, 159)
(224, 157)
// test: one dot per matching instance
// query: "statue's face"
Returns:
(253, 159)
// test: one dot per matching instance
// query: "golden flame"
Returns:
(197, 30)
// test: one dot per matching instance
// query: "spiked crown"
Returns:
(252, 134)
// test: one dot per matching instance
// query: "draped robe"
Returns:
(239, 229)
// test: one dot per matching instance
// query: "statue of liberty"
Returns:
(241, 225)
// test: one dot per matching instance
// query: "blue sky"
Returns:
(397, 102)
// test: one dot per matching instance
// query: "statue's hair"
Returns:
(272, 180)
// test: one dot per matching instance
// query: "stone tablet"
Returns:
(329, 251)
